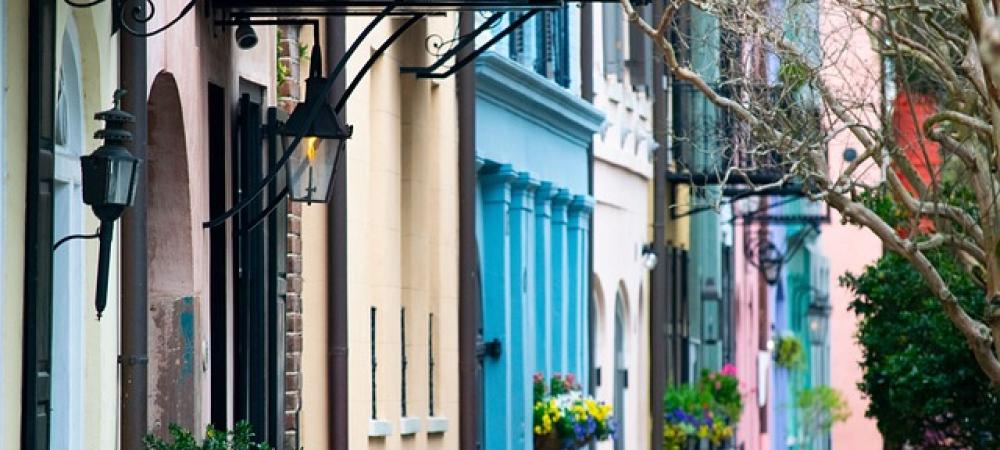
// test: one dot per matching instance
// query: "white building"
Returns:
(623, 167)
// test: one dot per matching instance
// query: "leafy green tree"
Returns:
(819, 408)
(923, 382)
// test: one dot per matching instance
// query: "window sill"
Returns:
(379, 428)
(438, 424)
(409, 426)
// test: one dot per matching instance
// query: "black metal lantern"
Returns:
(770, 260)
(109, 181)
(819, 322)
(312, 163)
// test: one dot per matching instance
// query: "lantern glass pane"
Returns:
(310, 169)
(120, 176)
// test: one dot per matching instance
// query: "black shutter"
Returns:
(560, 44)
(252, 292)
(640, 52)
(37, 362)
(218, 275)
(260, 232)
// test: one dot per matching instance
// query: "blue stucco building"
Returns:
(533, 131)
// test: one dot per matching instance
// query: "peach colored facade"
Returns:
(402, 234)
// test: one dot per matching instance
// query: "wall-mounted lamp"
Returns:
(312, 164)
(818, 315)
(649, 258)
(763, 254)
(245, 36)
(109, 182)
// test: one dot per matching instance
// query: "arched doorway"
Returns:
(68, 286)
(621, 368)
(173, 311)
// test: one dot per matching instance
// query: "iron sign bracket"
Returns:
(431, 70)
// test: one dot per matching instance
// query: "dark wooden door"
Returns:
(37, 362)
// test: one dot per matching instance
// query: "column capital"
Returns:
(496, 179)
(523, 188)
(560, 201)
(580, 208)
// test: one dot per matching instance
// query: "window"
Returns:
(373, 362)
(612, 19)
(403, 361)
(430, 365)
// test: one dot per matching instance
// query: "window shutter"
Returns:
(612, 19)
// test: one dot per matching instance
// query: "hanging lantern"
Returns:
(312, 163)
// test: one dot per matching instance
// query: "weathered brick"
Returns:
(294, 244)
(292, 402)
(294, 284)
(293, 322)
(293, 264)
(293, 342)
(293, 362)
(293, 381)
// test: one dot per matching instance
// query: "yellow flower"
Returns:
(703, 431)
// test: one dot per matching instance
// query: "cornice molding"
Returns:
(523, 92)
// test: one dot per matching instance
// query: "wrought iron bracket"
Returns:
(490, 349)
(431, 70)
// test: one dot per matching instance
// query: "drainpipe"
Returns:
(468, 263)
(133, 359)
(336, 264)
(659, 274)
(587, 92)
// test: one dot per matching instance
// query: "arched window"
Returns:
(68, 286)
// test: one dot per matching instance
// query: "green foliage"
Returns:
(819, 408)
(240, 438)
(724, 390)
(924, 386)
(790, 354)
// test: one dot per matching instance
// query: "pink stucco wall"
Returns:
(851, 69)
(748, 310)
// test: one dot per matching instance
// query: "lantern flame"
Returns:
(311, 144)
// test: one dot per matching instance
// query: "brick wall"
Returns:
(288, 96)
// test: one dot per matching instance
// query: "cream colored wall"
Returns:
(402, 235)
(15, 86)
(98, 58)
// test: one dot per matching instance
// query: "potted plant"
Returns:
(239, 438)
(706, 411)
(565, 418)
(789, 352)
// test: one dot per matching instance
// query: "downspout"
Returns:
(587, 92)
(133, 359)
(468, 264)
(659, 274)
(336, 264)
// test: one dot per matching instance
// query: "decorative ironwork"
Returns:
(429, 71)
(765, 255)
(139, 11)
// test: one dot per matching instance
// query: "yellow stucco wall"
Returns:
(402, 248)
(89, 30)
(14, 141)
